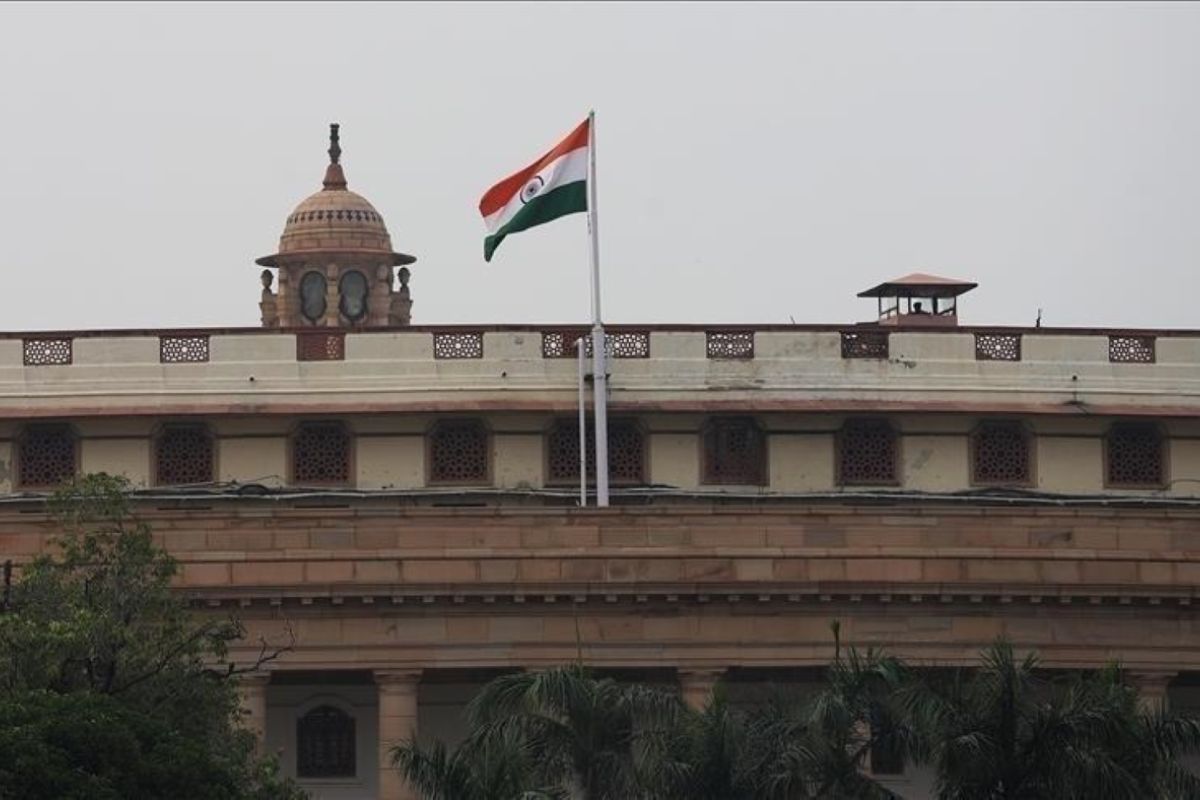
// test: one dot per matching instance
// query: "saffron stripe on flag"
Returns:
(499, 195)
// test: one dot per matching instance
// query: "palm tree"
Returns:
(481, 768)
(706, 754)
(1006, 733)
(1145, 743)
(587, 733)
(821, 747)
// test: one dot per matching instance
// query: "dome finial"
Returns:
(335, 149)
(334, 177)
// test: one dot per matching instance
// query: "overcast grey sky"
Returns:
(757, 162)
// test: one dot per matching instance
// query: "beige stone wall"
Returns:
(129, 458)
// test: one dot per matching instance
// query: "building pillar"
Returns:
(252, 698)
(1151, 687)
(696, 685)
(397, 724)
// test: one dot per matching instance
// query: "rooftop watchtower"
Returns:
(919, 301)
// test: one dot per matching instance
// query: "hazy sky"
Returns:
(757, 162)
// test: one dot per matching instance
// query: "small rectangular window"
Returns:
(458, 453)
(864, 344)
(321, 346)
(867, 453)
(735, 452)
(1134, 456)
(321, 454)
(46, 456)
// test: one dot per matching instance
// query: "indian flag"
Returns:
(551, 187)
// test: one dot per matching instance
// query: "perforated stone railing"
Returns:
(715, 369)
(617, 344)
(47, 352)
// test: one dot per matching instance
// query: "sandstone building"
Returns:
(404, 498)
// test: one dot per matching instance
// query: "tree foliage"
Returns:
(110, 686)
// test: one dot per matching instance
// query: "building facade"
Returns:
(402, 500)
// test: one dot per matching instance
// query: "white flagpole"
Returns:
(581, 356)
(599, 367)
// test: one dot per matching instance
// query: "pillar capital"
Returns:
(398, 679)
(253, 680)
(696, 684)
(1151, 685)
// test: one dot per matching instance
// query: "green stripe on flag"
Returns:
(560, 201)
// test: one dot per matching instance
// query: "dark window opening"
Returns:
(626, 453)
(866, 453)
(321, 453)
(735, 452)
(325, 744)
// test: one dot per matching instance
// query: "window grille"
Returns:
(46, 456)
(1134, 455)
(735, 452)
(1131, 349)
(182, 349)
(866, 453)
(458, 453)
(1000, 453)
(47, 352)
(626, 453)
(321, 453)
(322, 346)
(325, 744)
(864, 344)
(729, 344)
(628, 344)
(997, 347)
(458, 345)
(183, 454)
(622, 344)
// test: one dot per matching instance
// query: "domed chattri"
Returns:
(338, 236)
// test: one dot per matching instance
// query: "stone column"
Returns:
(1152, 687)
(696, 685)
(397, 723)
(252, 697)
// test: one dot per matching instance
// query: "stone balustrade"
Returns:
(686, 368)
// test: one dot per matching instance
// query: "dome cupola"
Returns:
(335, 261)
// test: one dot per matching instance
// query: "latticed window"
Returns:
(997, 347)
(620, 344)
(45, 456)
(321, 453)
(458, 453)
(867, 452)
(321, 346)
(735, 451)
(455, 345)
(864, 344)
(1131, 349)
(325, 744)
(1000, 453)
(729, 344)
(626, 453)
(182, 349)
(183, 454)
(1134, 455)
(47, 352)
